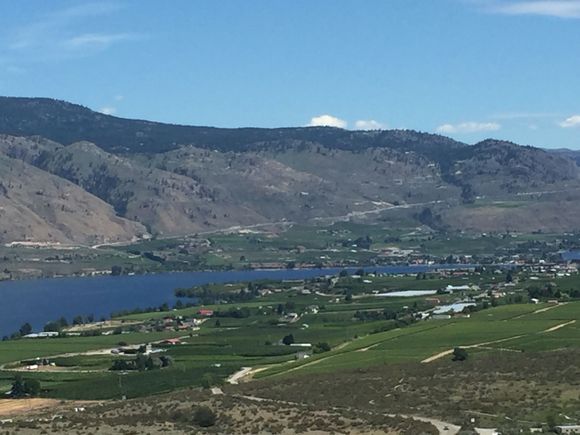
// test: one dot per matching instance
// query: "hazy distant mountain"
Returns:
(571, 154)
(170, 180)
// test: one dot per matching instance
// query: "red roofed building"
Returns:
(172, 341)
(205, 313)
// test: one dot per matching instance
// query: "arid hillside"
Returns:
(126, 178)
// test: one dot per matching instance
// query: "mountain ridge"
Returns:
(59, 120)
(173, 180)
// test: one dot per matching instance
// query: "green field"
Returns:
(15, 350)
(513, 328)
(250, 342)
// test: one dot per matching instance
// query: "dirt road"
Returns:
(470, 346)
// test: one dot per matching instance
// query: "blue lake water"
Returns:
(42, 300)
(571, 255)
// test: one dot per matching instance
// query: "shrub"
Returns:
(459, 354)
(321, 347)
(207, 380)
(204, 416)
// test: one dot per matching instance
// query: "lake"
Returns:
(42, 300)
(571, 255)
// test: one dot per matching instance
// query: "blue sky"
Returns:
(469, 69)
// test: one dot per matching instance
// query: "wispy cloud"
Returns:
(468, 127)
(369, 124)
(327, 121)
(572, 121)
(56, 36)
(552, 8)
(98, 40)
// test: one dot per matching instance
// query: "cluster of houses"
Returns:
(145, 349)
(559, 270)
(175, 323)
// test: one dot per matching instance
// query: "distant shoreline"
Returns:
(263, 269)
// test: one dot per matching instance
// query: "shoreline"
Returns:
(263, 269)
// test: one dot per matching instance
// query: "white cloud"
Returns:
(553, 8)
(55, 36)
(119, 97)
(572, 121)
(327, 121)
(468, 127)
(369, 124)
(108, 110)
(97, 40)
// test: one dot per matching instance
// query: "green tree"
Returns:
(551, 422)
(288, 340)
(78, 320)
(17, 389)
(166, 361)
(122, 365)
(52, 327)
(509, 277)
(321, 347)
(25, 329)
(141, 362)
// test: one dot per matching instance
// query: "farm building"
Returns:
(172, 341)
(568, 429)
(456, 288)
(46, 334)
